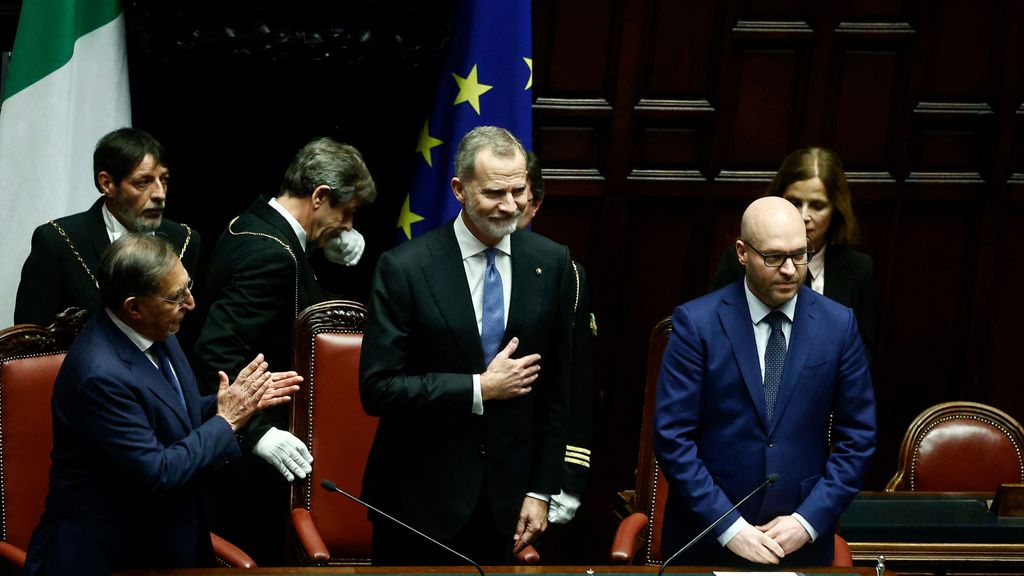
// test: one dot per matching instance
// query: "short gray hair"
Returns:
(133, 265)
(326, 162)
(499, 141)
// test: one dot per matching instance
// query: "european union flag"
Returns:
(486, 80)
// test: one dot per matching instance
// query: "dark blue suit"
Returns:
(712, 438)
(126, 455)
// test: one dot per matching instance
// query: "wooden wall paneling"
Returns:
(959, 37)
(863, 109)
(764, 90)
(867, 91)
(877, 11)
(682, 44)
(1006, 316)
(763, 11)
(764, 122)
(577, 44)
(930, 289)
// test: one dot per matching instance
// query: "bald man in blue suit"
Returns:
(763, 377)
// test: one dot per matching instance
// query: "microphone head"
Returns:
(328, 485)
(773, 477)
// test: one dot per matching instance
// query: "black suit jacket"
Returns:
(849, 280)
(53, 279)
(259, 281)
(126, 456)
(432, 456)
(581, 399)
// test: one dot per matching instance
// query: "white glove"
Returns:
(345, 248)
(562, 507)
(285, 452)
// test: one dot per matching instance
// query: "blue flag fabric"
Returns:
(486, 80)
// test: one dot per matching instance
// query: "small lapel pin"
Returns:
(538, 271)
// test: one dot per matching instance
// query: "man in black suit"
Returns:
(259, 281)
(466, 358)
(576, 473)
(130, 171)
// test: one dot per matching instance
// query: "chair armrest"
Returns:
(230, 555)
(527, 555)
(628, 538)
(12, 554)
(312, 544)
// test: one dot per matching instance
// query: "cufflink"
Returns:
(538, 271)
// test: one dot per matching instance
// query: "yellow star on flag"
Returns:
(470, 90)
(529, 64)
(427, 142)
(406, 219)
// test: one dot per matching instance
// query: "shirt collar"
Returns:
(114, 227)
(758, 309)
(470, 245)
(138, 339)
(817, 263)
(299, 230)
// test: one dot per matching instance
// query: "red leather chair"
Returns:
(932, 457)
(30, 357)
(328, 416)
(638, 538)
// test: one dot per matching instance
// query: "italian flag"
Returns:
(67, 86)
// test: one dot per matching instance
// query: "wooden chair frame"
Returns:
(905, 477)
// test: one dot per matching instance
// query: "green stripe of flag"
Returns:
(47, 31)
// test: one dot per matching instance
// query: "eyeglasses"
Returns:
(777, 260)
(182, 296)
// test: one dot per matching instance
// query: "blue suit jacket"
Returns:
(126, 455)
(712, 438)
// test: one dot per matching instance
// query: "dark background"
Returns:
(657, 122)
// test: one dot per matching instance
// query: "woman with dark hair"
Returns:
(814, 181)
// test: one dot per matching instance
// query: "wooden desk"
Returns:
(462, 570)
(933, 533)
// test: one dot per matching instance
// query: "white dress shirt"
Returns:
(474, 261)
(299, 230)
(816, 268)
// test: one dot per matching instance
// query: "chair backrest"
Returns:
(651, 485)
(328, 416)
(30, 357)
(932, 457)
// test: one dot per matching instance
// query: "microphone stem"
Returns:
(334, 488)
(770, 480)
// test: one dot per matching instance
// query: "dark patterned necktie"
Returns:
(159, 350)
(774, 358)
(493, 324)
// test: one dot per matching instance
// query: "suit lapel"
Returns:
(735, 317)
(446, 277)
(527, 289)
(146, 374)
(189, 388)
(308, 287)
(98, 240)
(801, 339)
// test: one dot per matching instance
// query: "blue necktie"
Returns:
(159, 349)
(774, 358)
(493, 325)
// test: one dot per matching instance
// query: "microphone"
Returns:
(771, 479)
(332, 487)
